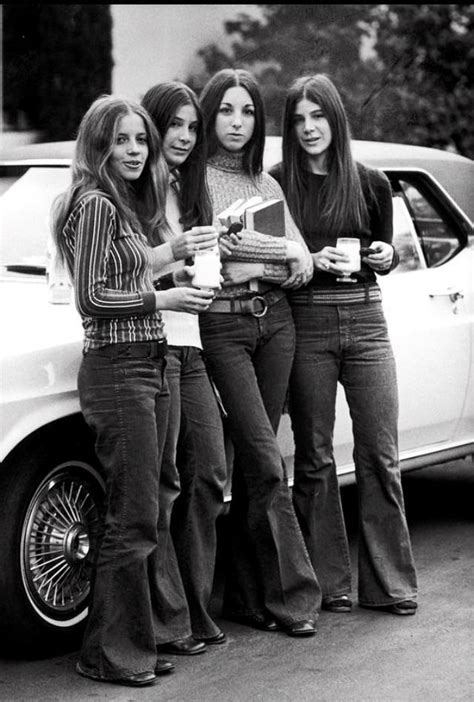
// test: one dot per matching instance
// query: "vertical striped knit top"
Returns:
(112, 274)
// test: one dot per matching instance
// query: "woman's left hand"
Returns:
(184, 276)
(382, 259)
(237, 272)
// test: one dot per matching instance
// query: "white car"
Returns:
(50, 480)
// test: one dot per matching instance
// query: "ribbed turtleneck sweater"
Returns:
(227, 182)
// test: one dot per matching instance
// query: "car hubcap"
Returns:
(58, 536)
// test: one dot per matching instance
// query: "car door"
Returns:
(428, 302)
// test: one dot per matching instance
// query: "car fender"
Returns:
(40, 362)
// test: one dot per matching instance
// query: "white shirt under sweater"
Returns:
(181, 328)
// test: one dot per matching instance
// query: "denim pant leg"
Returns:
(122, 400)
(316, 496)
(202, 466)
(386, 567)
(171, 611)
(248, 357)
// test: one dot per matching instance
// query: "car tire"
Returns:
(51, 498)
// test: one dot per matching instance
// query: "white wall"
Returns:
(152, 43)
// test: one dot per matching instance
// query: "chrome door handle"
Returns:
(453, 295)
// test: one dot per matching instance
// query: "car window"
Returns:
(435, 236)
(25, 205)
(405, 238)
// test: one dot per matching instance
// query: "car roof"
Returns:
(454, 172)
(45, 150)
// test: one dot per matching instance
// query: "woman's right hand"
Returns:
(300, 264)
(198, 238)
(328, 258)
(184, 299)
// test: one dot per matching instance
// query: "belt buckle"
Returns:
(264, 310)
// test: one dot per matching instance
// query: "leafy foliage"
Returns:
(426, 54)
(57, 60)
(404, 71)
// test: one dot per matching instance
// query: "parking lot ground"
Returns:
(365, 656)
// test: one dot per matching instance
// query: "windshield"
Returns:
(25, 203)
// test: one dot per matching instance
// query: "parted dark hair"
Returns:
(162, 102)
(140, 204)
(211, 99)
(344, 203)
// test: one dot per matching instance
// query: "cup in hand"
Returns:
(207, 268)
(351, 247)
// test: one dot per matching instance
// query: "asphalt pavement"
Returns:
(365, 656)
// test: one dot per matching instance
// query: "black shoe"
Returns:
(137, 680)
(403, 608)
(219, 638)
(338, 604)
(162, 666)
(184, 647)
(264, 623)
(305, 627)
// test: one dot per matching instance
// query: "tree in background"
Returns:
(292, 40)
(404, 71)
(57, 60)
(426, 61)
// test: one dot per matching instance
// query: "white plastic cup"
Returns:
(351, 247)
(207, 268)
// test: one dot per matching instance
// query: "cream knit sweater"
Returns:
(227, 182)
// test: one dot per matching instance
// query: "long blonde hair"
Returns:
(140, 205)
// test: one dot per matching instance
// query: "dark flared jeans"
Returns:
(269, 570)
(138, 598)
(350, 344)
(193, 476)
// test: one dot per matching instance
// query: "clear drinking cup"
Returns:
(351, 247)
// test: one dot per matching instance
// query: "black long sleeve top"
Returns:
(378, 196)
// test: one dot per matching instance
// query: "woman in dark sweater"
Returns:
(341, 336)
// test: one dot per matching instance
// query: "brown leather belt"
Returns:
(257, 305)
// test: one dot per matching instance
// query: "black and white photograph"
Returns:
(237, 359)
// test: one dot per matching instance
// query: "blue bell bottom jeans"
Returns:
(138, 598)
(193, 475)
(349, 344)
(269, 570)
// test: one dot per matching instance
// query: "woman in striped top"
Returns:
(103, 225)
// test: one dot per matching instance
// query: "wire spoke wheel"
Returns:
(58, 538)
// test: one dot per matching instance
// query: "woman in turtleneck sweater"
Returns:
(248, 340)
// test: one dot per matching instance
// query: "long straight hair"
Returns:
(162, 102)
(211, 99)
(141, 204)
(344, 205)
